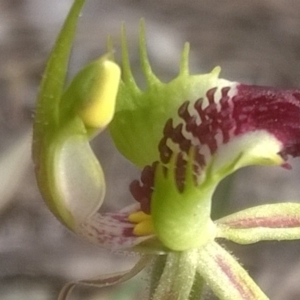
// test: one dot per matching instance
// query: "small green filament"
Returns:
(126, 68)
(151, 79)
(184, 62)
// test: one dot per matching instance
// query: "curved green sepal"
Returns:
(79, 178)
(52, 85)
(68, 174)
(46, 122)
(106, 280)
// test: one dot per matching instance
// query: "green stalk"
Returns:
(157, 268)
(174, 277)
(198, 288)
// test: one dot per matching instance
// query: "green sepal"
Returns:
(69, 175)
(280, 221)
(225, 276)
(46, 122)
(178, 273)
(53, 82)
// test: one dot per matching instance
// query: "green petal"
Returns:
(225, 276)
(266, 222)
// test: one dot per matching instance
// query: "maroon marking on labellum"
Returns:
(142, 191)
(180, 172)
(168, 129)
(200, 111)
(199, 158)
(237, 282)
(147, 176)
(183, 112)
(210, 94)
(251, 108)
(205, 132)
(268, 222)
(277, 111)
(141, 194)
(225, 111)
(191, 126)
(286, 166)
(128, 232)
(119, 217)
(164, 150)
(212, 121)
(177, 135)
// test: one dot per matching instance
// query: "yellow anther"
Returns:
(144, 228)
(100, 106)
(144, 224)
(138, 217)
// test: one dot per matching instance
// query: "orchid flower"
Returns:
(186, 136)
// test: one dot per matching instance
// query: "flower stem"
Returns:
(157, 268)
(174, 277)
(198, 288)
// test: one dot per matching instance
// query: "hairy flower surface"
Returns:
(186, 136)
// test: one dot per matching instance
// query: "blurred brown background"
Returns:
(254, 41)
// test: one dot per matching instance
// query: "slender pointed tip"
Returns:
(142, 24)
(142, 31)
(126, 68)
(110, 48)
(146, 67)
(216, 71)
(184, 64)
(52, 87)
